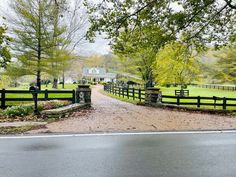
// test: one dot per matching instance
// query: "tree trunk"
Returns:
(55, 85)
(39, 52)
(150, 80)
(63, 80)
(38, 82)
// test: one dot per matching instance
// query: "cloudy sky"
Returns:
(99, 47)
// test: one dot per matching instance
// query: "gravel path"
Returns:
(110, 115)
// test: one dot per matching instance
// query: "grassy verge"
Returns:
(120, 98)
(18, 130)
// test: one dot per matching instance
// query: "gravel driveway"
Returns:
(110, 115)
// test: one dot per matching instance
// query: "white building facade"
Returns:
(98, 75)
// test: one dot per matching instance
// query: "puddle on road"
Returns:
(42, 146)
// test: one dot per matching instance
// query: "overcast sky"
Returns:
(99, 47)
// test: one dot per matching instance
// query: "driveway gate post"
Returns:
(152, 96)
(83, 94)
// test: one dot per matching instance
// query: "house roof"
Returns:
(98, 73)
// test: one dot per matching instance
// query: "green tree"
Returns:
(226, 65)
(14, 71)
(5, 56)
(55, 58)
(135, 24)
(59, 65)
(139, 48)
(175, 64)
(32, 27)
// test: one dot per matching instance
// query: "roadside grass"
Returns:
(19, 130)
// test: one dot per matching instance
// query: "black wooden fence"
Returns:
(126, 92)
(8, 96)
(219, 87)
(194, 101)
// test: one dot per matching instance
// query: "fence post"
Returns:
(123, 92)
(224, 103)
(128, 93)
(178, 100)
(46, 95)
(133, 93)
(3, 101)
(139, 94)
(198, 101)
(73, 97)
(119, 91)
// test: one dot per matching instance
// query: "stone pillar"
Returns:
(152, 96)
(83, 94)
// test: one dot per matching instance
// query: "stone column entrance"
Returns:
(152, 96)
(83, 94)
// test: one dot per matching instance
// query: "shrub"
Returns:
(20, 111)
(25, 110)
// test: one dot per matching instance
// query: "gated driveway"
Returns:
(110, 115)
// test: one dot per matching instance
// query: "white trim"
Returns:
(116, 134)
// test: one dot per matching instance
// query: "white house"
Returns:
(98, 74)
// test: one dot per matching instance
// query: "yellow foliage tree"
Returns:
(175, 64)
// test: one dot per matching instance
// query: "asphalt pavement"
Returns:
(115, 155)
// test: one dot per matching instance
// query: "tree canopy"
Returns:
(226, 65)
(5, 56)
(175, 64)
(139, 29)
(195, 22)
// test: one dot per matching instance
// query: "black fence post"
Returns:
(128, 93)
(123, 92)
(178, 100)
(198, 101)
(46, 95)
(119, 91)
(224, 103)
(139, 94)
(73, 97)
(3, 97)
(133, 93)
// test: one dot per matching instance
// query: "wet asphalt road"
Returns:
(171, 155)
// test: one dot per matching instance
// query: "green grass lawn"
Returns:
(203, 92)
(195, 91)
(49, 87)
